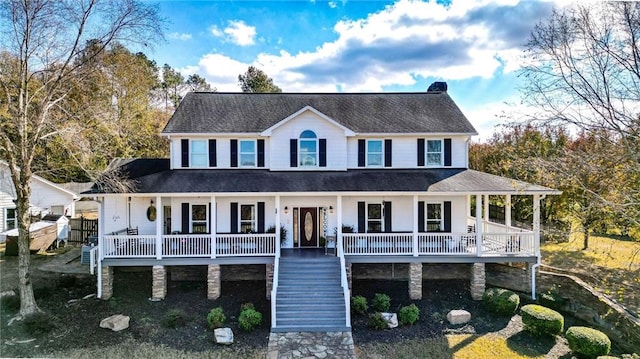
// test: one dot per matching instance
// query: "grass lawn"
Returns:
(610, 265)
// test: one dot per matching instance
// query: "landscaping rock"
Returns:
(391, 318)
(224, 336)
(116, 322)
(458, 316)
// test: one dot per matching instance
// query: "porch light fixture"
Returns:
(152, 201)
(331, 209)
(286, 210)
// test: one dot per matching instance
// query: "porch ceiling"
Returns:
(154, 176)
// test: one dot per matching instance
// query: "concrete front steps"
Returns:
(309, 297)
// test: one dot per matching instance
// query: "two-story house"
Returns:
(270, 178)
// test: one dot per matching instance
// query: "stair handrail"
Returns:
(274, 287)
(344, 283)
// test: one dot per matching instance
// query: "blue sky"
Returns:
(360, 46)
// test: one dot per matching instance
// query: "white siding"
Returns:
(336, 142)
(404, 153)
(138, 213)
(115, 216)
(45, 196)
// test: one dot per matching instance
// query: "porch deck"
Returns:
(502, 244)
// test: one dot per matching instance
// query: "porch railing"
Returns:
(448, 244)
(188, 245)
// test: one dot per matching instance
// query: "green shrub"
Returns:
(588, 342)
(11, 302)
(552, 300)
(409, 314)
(501, 301)
(540, 320)
(381, 302)
(174, 318)
(359, 305)
(216, 318)
(246, 306)
(377, 321)
(249, 319)
(39, 323)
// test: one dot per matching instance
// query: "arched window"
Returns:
(308, 149)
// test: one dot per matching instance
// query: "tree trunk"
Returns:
(585, 232)
(28, 303)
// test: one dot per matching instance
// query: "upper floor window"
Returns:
(10, 219)
(434, 218)
(199, 218)
(434, 152)
(248, 153)
(374, 153)
(308, 149)
(199, 153)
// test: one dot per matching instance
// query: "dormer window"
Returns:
(308, 149)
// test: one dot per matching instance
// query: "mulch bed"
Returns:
(78, 320)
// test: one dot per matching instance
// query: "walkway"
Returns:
(311, 345)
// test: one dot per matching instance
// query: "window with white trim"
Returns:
(434, 153)
(434, 217)
(375, 153)
(10, 221)
(247, 153)
(374, 218)
(199, 215)
(247, 218)
(199, 153)
(308, 149)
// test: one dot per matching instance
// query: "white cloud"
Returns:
(216, 32)
(179, 36)
(219, 70)
(240, 33)
(398, 44)
(332, 4)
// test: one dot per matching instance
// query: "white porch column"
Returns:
(486, 208)
(536, 222)
(214, 226)
(339, 223)
(415, 225)
(479, 225)
(101, 223)
(277, 240)
(159, 221)
(507, 211)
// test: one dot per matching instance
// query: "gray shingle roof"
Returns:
(214, 112)
(154, 176)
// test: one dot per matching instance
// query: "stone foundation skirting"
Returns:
(213, 281)
(158, 282)
(478, 281)
(269, 279)
(107, 283)
(415, 281)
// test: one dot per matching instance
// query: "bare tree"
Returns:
(44, 42)
(584, 72)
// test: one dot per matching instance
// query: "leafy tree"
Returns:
(255, 80)
(197, 83)
(44, 45)
(584, 72)
(172, 81)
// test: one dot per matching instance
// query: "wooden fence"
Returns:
(81, 229)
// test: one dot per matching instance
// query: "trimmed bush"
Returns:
(588, 342)
(409, 314)
(501, 301)
(246, 306)
(539, 320)
(377, 321)
(39, 323)
(381, 302)
(359, 305)
(552, 300)
(249, 319)
(174, 318)
(216, 318)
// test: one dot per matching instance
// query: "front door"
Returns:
(308, 227)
